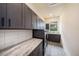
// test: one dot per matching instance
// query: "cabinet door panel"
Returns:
(42, 24)
(38, 51)
(40, 21)
(28, 22)
(27, 18)
(14, 19)
(0, 14)
(3, 15)
(34, 19)
(38, 24)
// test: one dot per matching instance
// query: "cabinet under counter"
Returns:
(53, 37)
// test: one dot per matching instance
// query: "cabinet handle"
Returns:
(9, 22)
(2, 21)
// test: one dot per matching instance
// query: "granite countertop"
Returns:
(22, 49)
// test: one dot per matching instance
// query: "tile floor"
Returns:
(54, 49)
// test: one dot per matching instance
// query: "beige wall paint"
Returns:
(12, 37)
(70, 28)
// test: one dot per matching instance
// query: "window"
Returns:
(53, 26)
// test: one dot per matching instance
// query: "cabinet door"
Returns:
(27, 17)
(42, 24)
(38, 22)
(3, 15)
(38, 51)
(14, 19)
(34, 19)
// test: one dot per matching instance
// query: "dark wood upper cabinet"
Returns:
(14, 19)
(18, 16)
(27, 17)
(37, 22)
(43, 24)
(3, 15)
(34, 20)
(10, 15)
(40, 23)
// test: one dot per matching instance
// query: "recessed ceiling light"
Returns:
(51, 4)
(50, 14)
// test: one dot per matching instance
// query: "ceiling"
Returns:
(47, 10)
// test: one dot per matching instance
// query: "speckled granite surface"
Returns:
(23, 49)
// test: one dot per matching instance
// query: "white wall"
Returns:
(70, 28)
(11, 37)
